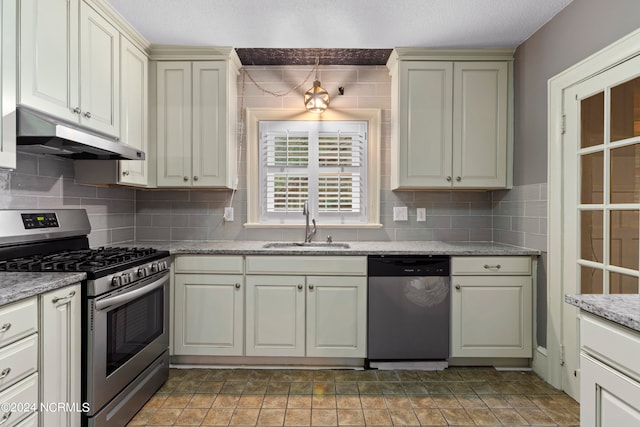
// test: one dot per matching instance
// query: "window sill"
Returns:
(320, 226)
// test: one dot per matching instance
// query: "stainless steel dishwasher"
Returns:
(408, 309)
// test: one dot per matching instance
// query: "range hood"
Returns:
(41, 133)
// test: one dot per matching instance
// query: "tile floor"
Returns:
(455, 396)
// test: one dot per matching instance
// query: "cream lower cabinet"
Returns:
(609, 373)
(451, 119)
(275, 316)
(491, 307)
(60, 355)
(208, 306)
(318, 314)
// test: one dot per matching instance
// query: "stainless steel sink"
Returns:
(313, 245)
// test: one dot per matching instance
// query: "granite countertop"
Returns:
(17, 286)
(621, 309)
(228, 247)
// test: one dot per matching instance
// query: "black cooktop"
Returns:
(82, 260)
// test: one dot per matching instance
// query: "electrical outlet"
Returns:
(228, 214)
(421, 214)
(400, 213)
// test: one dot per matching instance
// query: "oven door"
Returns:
(128, 329)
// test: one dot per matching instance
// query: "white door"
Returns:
(480, 124)
(49, 56)
(275, 316)
(425, 117)
(99, 72)
(336, 316)
(60, 354)
(209, 124)
(209, 315)
(601, 192)
(174, 124)
(134, 115)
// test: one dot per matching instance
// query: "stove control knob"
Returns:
(154, 267)
(143, 272)
(163, 265)
(126, 278)
(116, 281)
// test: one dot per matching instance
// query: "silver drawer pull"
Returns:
(56, 300)
(4, 373)
(492, 267)
(5, 418)
(5, 327)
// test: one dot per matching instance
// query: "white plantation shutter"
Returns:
(322, 162)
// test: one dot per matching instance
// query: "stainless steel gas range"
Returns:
(125, 313)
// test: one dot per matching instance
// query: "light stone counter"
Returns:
(227, 247)
(621, 309)
(17, 286)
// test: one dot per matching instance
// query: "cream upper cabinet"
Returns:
(134, 111)
(99, 72)
(8, 34)
(49, 55)
(69, 63)
(450, 119)
(196, 122)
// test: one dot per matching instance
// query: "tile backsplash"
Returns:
(120, 215)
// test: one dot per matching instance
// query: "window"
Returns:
(328, 163)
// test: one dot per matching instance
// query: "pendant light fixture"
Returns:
(316, 99)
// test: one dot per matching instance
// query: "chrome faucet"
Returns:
(308, 234)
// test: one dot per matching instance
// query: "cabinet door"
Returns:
(134, 110)
(480, 124)
(608, 398)
(424, 126)
(174, 124)
(99, 72)
(209, 316)
(209, 124)
(336, 316)
(491, 316)
(275, 316)
(49, 56)
(8, 35)
(60, 354)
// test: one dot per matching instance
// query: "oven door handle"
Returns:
(119, 300)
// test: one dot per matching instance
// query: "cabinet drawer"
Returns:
(208, 264)
(21, 396)
(18, 320)
(492, 266)
(18, 360)
(307, 265)
(613, 344)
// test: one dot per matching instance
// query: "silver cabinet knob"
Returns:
(299, 287)
(125, 173)
(77, 110)
(458, 287)
(458, 178)
(4, 373)
(185, 178)
(237, 285)
(87, 115)
(310, 287)
(448, 179)
(5, 327)
(195, 178)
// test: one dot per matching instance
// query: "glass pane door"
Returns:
(609, 181)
